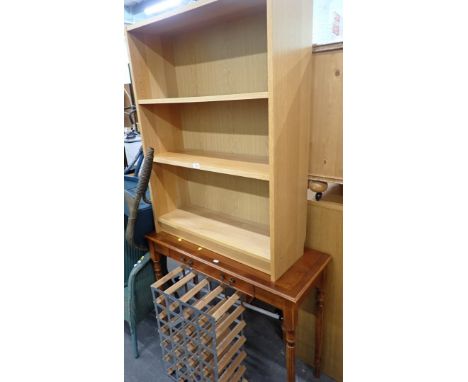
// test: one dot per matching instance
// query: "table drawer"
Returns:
(223, 277)
(233, 282)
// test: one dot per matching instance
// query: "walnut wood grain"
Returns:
(293, 286)
(318, 331)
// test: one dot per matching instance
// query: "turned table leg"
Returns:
(318, 331)
(289, 335)
(159, 262)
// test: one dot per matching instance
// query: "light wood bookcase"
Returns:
(224, 96)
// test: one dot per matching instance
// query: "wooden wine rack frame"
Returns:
(200, 328)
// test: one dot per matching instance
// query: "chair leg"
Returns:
(133, 333)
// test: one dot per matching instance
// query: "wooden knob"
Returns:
(318, 186)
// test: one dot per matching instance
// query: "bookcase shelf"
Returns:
(224, 98)
(215, 98)
(214, 163)
(242, 241)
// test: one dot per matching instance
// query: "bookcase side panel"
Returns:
(159, 128)
(161, 124)
(170, 190)
(138, 67)
(289, 73)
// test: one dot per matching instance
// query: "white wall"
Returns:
(328, 21)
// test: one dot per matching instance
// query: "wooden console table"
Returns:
(286, 294)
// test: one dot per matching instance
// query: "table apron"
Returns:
(232, 281)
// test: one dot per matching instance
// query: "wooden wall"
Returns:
(325, 218)
(326, 135)
(325, 233)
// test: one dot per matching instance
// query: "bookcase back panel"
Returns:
(238, 199)
(237, 129)
(225, 57)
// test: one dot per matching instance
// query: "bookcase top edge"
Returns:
(193, 13)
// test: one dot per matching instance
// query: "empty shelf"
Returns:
(240, 241)
(214, 98)
(245, 169)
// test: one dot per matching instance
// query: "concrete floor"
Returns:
(265, 353)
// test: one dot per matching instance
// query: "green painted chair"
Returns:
(138, 272)
(137, 291)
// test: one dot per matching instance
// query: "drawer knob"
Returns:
(189, 262)
(230, 280)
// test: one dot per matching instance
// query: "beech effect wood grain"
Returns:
(236, 128)
(243, 199)
(255, 57)
(220, 58)
(235, 240)
(216, 98)
(289, 83)
(219, 165)
(196, 14)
